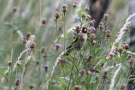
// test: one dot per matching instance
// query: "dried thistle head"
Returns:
(131, 61)
(64, 8)
(92, 36)
(94, 42)
(106, 16)
(43, 21)
(43, 49)
(45, 54)
(92, 22)
(108, 33)
(32, 45)
(57, 45)
(83, 15)
(28, 35)
(122, 87)
(101, 25)
(87, 8)
(46, 67)
(74, 4)
(57, 15)
(17, 81)
(32, 86)
(77, 87)
(9, 63)
(125, 45)
(24, 40)
(105, 75)
(82, 71)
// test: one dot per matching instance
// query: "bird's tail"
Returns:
(68, 52)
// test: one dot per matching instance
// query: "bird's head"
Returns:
(84, 29)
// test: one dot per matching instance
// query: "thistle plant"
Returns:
(59, 54)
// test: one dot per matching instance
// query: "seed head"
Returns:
(82, 71)
(74, 4)
(89, 59)
(43, 49)
(18, 63)
(129, 56)
(94, 42)
(43, 21)
(108, 33)
(105, 75)
(92, 36)
(120, 49)
(106, 16)
(32, 45)
(17, 81)
(92, 29)
(57, 15)
(24, 40)
(111, 54)
(88, 17)
(57, 45)
(131, 61)
(83, 15)
(101, 25)
(64, 8)
(32, 86)
(92, 22)
(87, 8)
(9, 63)
(77, 87)
(45, 54)
(46, 67)
(126, 46)
(122, 87)
(28, 35)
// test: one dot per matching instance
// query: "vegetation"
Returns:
(34, 37)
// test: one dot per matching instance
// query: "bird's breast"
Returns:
(83, 37)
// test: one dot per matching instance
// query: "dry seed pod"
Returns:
(32, 86)
(9, 63)
(106, 16)
(77, 87)
(94, 42)
(57, 15)
(122, 87)
(126, 46)
(32, 45)
(82, 71)
(92, 36)
(43, 21)
(64, 8)
(43, 49)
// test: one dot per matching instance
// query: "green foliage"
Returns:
(90, 68)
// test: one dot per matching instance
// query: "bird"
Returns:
(78, 42)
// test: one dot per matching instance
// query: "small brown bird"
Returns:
(78, 42)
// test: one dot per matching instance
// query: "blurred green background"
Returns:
(18, 17)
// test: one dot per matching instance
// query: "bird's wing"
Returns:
(74, 41)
